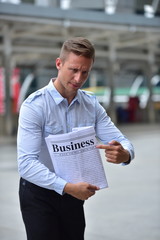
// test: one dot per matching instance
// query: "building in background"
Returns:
(126, 35)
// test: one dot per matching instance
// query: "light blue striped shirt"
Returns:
(46, 112)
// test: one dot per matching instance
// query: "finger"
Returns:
(109, 146)
(101, 146)
(113, 150)
(93, 188)
(111, 160)
(111, 154)
(91, 193)
(115, 143)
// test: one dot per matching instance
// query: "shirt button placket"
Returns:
(67, 120)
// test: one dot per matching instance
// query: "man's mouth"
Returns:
(75, 85)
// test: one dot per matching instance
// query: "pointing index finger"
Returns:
(102, 146)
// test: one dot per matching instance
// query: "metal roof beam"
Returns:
(44, 14)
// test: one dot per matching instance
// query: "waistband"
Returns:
(26, 183)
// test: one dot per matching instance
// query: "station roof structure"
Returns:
(120, 30)
(124, 33)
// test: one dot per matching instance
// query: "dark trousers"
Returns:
(50, 216)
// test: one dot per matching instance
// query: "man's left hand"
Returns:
(115, 153)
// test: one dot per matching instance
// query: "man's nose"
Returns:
(78, 77)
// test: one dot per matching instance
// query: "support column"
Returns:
(150, 70)
(150, 105)
(111, 75)
(7, 66)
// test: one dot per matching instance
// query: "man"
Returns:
(51, 207)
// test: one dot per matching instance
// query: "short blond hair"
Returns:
(79, 46)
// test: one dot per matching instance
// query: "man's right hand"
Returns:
(81, 190)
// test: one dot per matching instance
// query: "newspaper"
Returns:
(75, 157)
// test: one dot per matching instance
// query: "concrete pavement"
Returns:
(128, 210)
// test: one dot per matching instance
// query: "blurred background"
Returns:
(126, 35)
(125, 79)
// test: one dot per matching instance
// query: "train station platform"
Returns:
(128, 210)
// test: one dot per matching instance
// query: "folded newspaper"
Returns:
(75, 157)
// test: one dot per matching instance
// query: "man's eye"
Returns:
(74, 70)
(85, 72)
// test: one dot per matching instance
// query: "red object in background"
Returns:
(133, 106)
(15, 89)
(2, 92)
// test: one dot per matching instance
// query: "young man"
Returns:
(51, 207)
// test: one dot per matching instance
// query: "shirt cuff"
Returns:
(59, 185)
(128, 162)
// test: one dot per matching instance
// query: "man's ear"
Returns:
(58, 63)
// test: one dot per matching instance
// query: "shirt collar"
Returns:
(57, 96)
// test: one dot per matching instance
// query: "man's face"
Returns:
(72, 73)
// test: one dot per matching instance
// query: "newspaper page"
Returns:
(75, 157)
